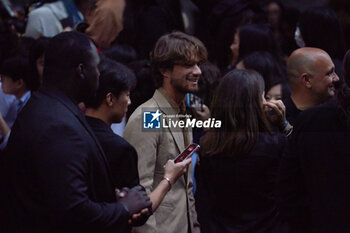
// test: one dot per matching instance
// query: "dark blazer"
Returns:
(313, 187)
(240, 191)
(122, 156)
(57, 177)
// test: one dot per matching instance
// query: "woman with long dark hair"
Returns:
(239, 161)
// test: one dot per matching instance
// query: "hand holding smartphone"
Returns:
(188, 152)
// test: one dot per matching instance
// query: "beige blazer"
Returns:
(155, 148)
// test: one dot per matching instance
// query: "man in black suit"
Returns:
(57, 178)
(313, 187)
(314, 174)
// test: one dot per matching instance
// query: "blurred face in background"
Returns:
(40, 67)
(273, 14)
(235, 47)
(275, 93)
(9, 86)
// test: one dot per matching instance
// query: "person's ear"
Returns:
(20, 83)
(80, 71)
(306, 80)
(165, 72)
(109, 99)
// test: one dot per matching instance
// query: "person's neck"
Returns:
(176, 96)
(99, 114)
(303, 101)
(68, 85)
(68, 89)
(21, 93)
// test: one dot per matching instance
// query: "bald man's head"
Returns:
(311, 74)
(304, 60)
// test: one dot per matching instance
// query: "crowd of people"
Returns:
(93, 94)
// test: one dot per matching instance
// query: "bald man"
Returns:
(312, 190)
(311, 75)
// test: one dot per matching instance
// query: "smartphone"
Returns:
(188, 152)
(194, 101)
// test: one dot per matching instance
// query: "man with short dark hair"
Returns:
(57, 178)
(109, 106)
(175, 63)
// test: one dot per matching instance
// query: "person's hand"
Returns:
(4, 128)
(275, 112)
(202, 115)
(137, 219)
(174, 170)
(140, 218)
(67, 29)
(137, 202)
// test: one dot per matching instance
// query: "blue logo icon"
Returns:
(151, 120)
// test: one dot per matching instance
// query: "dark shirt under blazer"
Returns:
(122, 156)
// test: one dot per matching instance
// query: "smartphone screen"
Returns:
(188, 152)
(194, 101)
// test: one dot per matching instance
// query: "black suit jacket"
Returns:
(313, 187)
(57, 178)
(121, 155)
